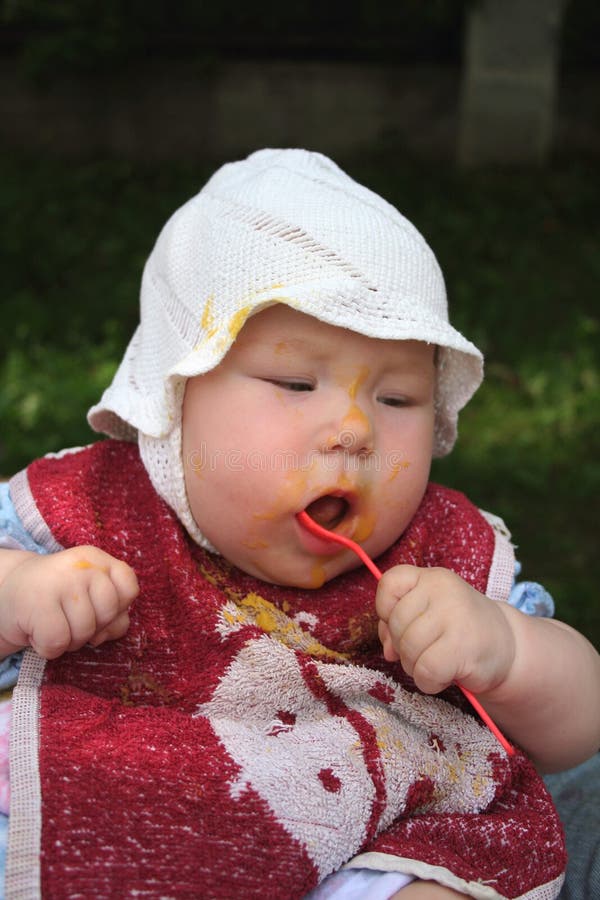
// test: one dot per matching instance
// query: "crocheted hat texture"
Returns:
(282, 226)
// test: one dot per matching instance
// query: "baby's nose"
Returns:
(354, 433)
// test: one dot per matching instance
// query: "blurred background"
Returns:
(479, 120)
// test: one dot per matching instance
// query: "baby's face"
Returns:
(304, 415)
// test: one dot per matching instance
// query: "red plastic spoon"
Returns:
(327, 535)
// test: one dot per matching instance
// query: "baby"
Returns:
(230, 725)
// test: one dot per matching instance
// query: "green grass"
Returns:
(520, 254)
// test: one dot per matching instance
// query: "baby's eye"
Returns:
(292, 385)
(395, 401)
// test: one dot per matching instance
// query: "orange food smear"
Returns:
(364, 527)
(86, 564)
(398, 467)
(237, 321)
(360, 379)
(317, 576)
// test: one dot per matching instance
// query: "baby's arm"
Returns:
(62, 601)
(538, 678)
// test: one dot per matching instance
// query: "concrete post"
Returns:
(509, 81)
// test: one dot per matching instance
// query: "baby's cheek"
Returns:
(194, 487)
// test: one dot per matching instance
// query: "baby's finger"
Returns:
(435, 669)
(386, 642)
(81, 617)
(394, 585)
(97, 563)
(112, 632)
(125, 581)
(412, 640)
(51, 635)
(413, 605)
(105, 599)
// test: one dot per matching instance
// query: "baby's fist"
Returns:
(61, 601)
(443, 630)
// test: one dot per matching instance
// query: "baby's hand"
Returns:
(64, 600)
(442, 630)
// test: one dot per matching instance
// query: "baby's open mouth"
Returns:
(328, 510)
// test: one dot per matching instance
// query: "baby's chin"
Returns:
(310, 575)
(286, 566)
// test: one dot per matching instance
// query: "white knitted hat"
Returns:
(282, 226)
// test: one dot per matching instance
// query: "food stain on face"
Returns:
(364, 526)
(289, 495)
(360, 379)
(362, 519)
(355, 421)
(317, 576)
(290, 492)
(397, 467)
(255, 544)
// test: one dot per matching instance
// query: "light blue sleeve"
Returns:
(530, 597)
(12, 534)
